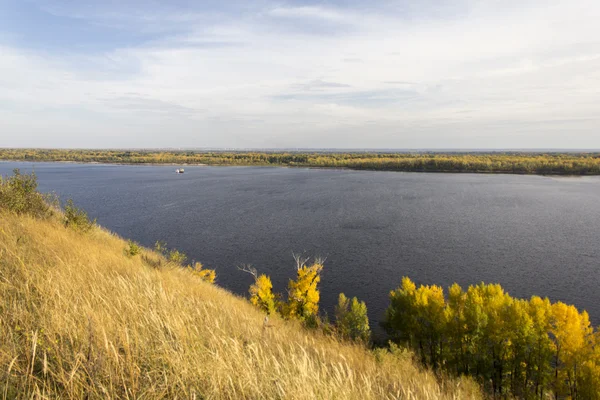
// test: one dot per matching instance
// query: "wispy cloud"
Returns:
(311, 12)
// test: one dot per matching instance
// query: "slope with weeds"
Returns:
(81, 318)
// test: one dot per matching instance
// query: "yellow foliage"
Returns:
(207, 275)
(516, 346)
(303, 300)
(261, 294)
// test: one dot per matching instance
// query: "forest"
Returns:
(551, 163)
(524, 348)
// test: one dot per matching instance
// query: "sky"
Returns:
(417, 74)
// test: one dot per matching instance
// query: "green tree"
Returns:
(400, 320)
(352, 321)
(18, 194)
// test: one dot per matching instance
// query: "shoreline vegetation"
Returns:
(532, 163)
(86, 314)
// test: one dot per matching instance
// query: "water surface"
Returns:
(532, 234)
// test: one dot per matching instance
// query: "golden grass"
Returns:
(79, 318)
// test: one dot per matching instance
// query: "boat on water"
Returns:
(179, 171)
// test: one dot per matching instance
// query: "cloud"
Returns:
(133, 103)
(300, 75)
(310, 12)
(319, 85)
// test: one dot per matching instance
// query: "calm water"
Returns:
(532, 234)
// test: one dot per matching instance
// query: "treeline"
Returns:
(524, 348)
(494, 162)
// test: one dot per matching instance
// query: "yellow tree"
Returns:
(456, 329)
(518, 338)
(495, 346)
(538, 365)
(418, 317)
(431, 317)
(303, 293)
(571, 332)
(589, 381)
(261, 291)
(476, 320)
(261, 294)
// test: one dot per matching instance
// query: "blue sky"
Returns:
(268, 74)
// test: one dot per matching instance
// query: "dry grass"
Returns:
(80, 319)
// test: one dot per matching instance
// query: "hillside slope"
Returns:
(79, 318)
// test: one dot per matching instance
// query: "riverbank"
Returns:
(480, 163)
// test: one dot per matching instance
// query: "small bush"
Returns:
(207, 275)
(177, 257)
(133, 249)
(161, 247)
(77, 218)
(18, 194)
(173, 256)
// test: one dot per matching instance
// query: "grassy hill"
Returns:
(79, 318)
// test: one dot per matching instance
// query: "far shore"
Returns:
(493, 162)
(108, 163)
(340, 168)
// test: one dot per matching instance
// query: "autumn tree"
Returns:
(303, 292)
(261, 291)
(418, 317)
(570, 331)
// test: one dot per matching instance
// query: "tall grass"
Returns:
(79, 318)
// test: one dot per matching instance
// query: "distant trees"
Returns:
(525, 348)
(505, 162)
